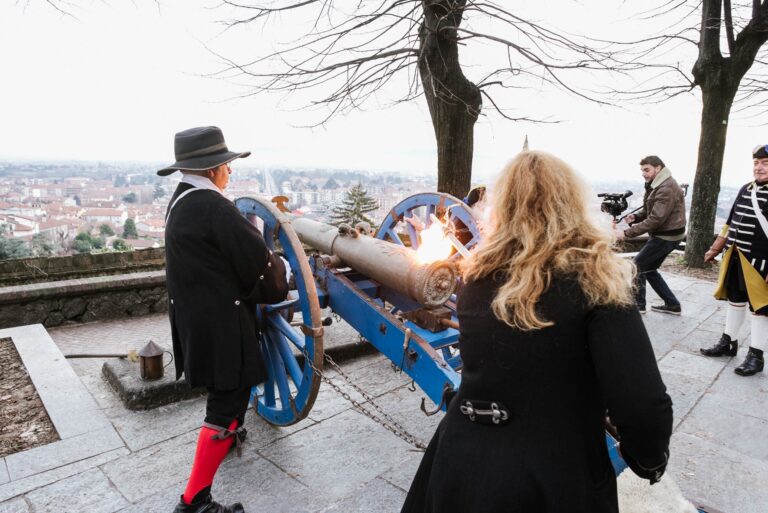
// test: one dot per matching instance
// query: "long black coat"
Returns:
(218, 269)
(557, 383)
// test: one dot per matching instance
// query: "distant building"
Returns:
(113, 216)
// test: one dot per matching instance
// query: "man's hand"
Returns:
(630, 218)
(710, 255)
(414, 221)
(619, 235)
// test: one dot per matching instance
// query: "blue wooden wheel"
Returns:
(290, 391)
(448, 208)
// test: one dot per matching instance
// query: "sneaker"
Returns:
(642, 309)
(668, 309)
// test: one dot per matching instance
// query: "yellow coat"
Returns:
(757, 288)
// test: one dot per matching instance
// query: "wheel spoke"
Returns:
(288, 358)
(280, 377)
(284, 327)
(395, 237)
(269, 384)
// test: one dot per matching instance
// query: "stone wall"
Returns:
(83, 300)
(48, 269)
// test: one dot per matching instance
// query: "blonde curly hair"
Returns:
(540, 227)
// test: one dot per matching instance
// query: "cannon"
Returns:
(406, 309)
(402, 307)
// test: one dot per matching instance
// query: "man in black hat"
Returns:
(218, 268)
(744, 268)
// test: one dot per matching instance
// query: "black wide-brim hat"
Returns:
(200, 149)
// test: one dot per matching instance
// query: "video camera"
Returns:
(614, 203)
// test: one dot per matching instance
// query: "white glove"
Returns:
(287, 270)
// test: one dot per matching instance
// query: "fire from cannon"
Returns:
(393, 265)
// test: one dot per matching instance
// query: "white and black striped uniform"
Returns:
(744, 229)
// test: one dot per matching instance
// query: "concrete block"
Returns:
(89, 491)
(21, 486)
(63, 452)
(4, 477)
(714, 475)
(138, 394)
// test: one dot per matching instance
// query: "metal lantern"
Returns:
(151, 361)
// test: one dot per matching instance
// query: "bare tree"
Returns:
(353, 49)
(723, 71)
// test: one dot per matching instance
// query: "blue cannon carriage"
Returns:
(404, 308)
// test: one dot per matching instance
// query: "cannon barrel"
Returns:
(390, 264)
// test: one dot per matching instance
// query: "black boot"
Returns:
(753, 363)
(724, 347)
(206, 504)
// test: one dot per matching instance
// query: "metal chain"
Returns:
(387, 421)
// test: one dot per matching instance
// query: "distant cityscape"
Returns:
(63, 208)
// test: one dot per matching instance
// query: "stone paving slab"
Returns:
(152, 469)
(376, 496)
(738, 431)
(339, 460)
(4, 477)
(27, 484)
(14, 506)
(717, 476)
(88, 491)
(362, 453)
(46, 457)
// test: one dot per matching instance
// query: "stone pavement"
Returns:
(338, 460)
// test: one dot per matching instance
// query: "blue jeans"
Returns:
(648, 260)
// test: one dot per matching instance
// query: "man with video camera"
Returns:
(662, 217)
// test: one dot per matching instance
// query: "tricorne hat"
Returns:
(760, 152)
(200, 149)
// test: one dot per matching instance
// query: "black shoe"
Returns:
(752, 364)
(724, 347)
(668, 309)
(207, 505)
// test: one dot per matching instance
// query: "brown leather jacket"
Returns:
(663, 213)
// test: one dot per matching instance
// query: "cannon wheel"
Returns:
(290, 391)
(393, 227)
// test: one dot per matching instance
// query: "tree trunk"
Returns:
(454, 102)
(717, 102)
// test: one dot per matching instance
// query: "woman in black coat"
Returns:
(550, 341)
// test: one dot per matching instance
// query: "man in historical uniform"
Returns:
(218, 268)
(743, 270)
(662, 217)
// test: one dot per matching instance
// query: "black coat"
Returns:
(218, 268)
(557, 383)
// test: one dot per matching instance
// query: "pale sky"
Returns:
(117, 82)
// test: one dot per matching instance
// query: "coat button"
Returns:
(171, 301)
(237, 302)
(261, 277)
(269, 264)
